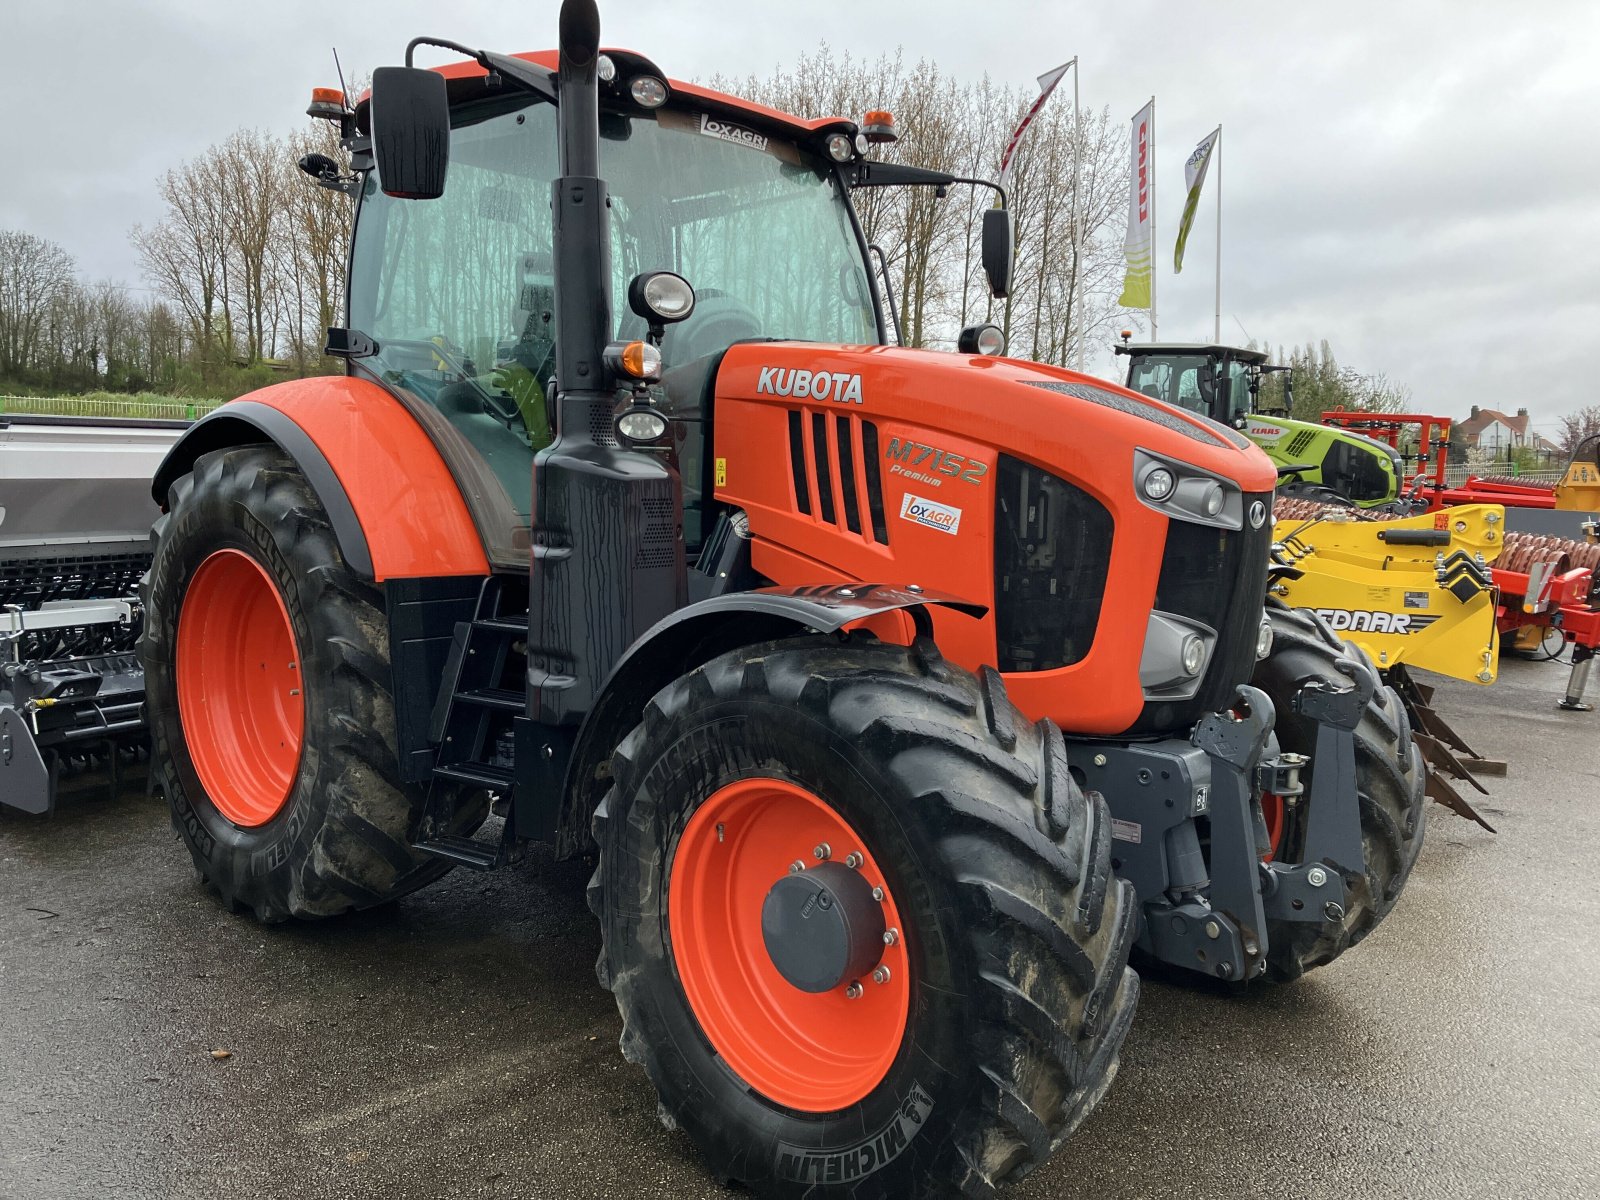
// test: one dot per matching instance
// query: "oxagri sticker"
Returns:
(930, 513)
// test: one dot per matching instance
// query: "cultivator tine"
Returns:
(1442, 790)
(1418, 699)
(1440, 755)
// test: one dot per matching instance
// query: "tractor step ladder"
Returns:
(472, 728)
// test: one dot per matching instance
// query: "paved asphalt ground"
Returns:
(456, 1044)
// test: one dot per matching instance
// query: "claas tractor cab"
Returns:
(897, 695)
(1315, 462)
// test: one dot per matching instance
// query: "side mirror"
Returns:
(998, 241)
(410, 131)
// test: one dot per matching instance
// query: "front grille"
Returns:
(838, 481)
(1052, 551)
(1219, 578)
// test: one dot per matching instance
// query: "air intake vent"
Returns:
(1301, 440)
(834, 465)
(656, 541)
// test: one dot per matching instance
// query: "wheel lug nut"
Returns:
(877, 894)
(796, 867)
(891, 936)
(853, 992)
(880, 974)
(823, 852)
(853, 860)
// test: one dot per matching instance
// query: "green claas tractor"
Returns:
(1315, 462)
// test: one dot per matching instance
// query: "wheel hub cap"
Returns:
(822, 927)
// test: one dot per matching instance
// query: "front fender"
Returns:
(396, 510)
(692, 637)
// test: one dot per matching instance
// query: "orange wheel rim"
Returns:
(809, 1051)
(239, 692)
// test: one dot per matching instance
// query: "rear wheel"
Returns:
(860, 922)
(1390, 777)
(268, 695)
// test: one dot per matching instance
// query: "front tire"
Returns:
(268, 697)
(1390, 778)
(1006, 997)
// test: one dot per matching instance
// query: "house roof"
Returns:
(1475, 425)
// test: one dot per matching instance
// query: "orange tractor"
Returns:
(898, 695)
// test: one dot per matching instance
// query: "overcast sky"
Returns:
(1418, 183)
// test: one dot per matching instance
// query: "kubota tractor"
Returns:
(627, 526)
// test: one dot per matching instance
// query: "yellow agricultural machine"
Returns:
(1410, 592)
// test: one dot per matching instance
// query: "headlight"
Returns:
(1264, 639)
(839, 147)
(1184, 492)
(1194, 654)
(641, 425)
(1159, 483)
(648, 91)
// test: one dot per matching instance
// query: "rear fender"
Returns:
(396, 510)
(692, 637)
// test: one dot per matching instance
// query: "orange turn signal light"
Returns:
(636, 360)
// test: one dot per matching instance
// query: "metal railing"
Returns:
(175, 409)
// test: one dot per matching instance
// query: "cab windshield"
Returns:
(1220, 391)
(458, 292)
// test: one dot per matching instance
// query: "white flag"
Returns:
(1139, 246)
(1194, 178)
(1047, 84)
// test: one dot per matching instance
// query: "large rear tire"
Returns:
(1390, 778)
(1006, 998)
(268, 696)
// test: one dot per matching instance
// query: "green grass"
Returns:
(109, 404)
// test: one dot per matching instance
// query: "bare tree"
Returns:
(1576, 426)
(34, 276)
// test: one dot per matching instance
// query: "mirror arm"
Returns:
(880, 174)
(525, 75)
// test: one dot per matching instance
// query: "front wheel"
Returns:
(1390, 778)
(860, 922)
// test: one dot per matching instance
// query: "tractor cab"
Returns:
(1220, 382)
(457, 293)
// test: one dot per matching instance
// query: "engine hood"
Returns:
(1046, 415)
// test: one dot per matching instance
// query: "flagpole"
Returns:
(1217, 332)
(1154, 240)
(1077, 169)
